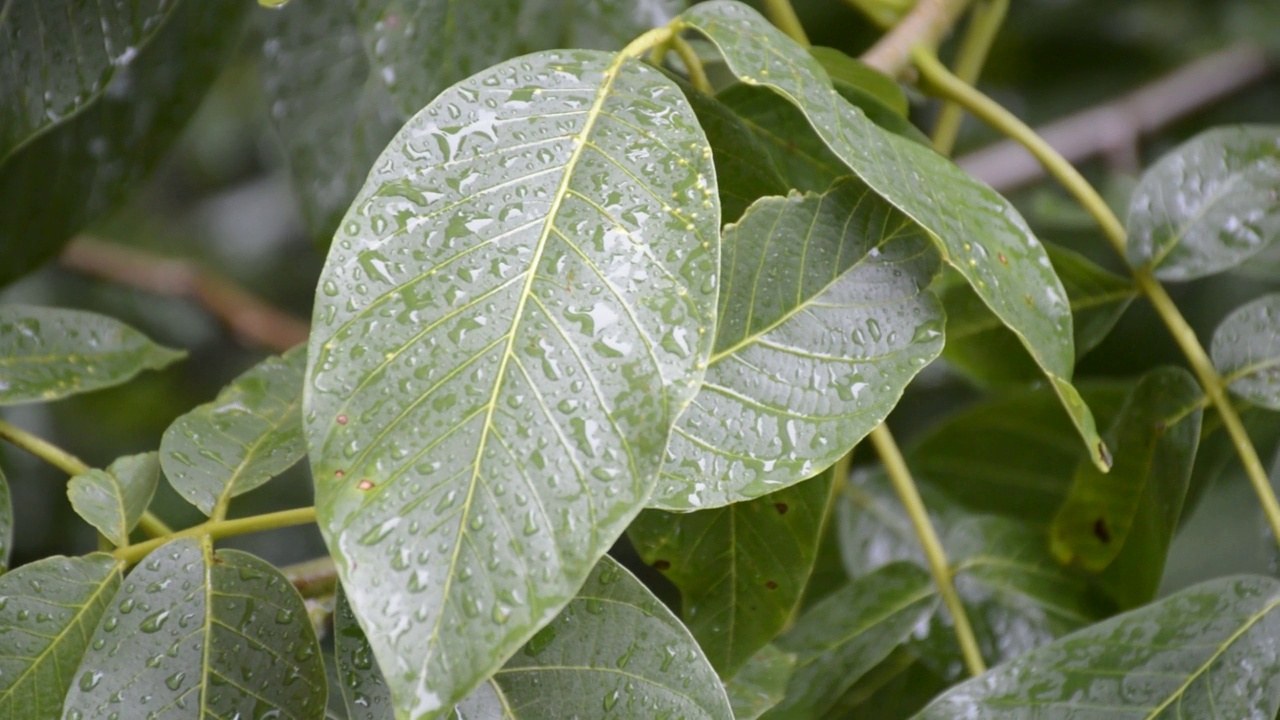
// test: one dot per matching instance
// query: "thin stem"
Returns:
(216, 529)
(153, 526)
(693, 64)
(649, 40)
(927, 24)
(984, 25)
(784, 16)
(938, 79)
(43, 449)
(900, 476)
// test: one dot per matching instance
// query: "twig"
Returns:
(984, 25)
(222, 528)
(246, 315)
(927, 24)
(1116, 126)
(783, 15)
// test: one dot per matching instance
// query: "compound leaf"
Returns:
(114, 499)
(1246, 351)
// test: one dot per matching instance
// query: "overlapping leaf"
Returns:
(979, 232)
(248, 435)
(6, 524)
(198, 634)
(47, 613)
(1246, 351)
(114, 499)
(99, 150)
(1209, 205)
(364, 689)
(824, 319)
(593, 24)
(761, 683)
(48, 353)
(515, 311)
(1124, 521)
(1206, 652)
(740, 568)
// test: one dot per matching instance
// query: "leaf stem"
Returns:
(216, 529)
(927, 24)
(693, 64)
(783, 15)
(984, 25)
(649, 40)
(896, 467)
(43, 449)
(939, 80)
(153, 526)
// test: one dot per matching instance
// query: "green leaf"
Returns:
(741, 568)
(49, 353)
(761, 683)
(895, 689)
(824, 319)
(978, 231)
(981, 346)
(114, 499)
(803, 159)
(1246, 351)
(331, 114)
(1132, 511)
(202, 634)
(593, 24)
(6, 524)
(843, 69)
(1206, 652)
(872, 529)
(248, 435)
(98, 151)
(495, 365)
(47, 611)
(364, 689)
(849, 633)
(1208, 205)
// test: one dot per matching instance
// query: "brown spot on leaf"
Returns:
(365, 484)
(1003, 260)
(781, 508)
(771, 585)
(342, 419)
(1101, 531)
(339, 473)
(661, 565)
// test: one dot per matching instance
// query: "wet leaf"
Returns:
(740, 568)
(201, 634)
(761, 683)
(803, 159)
(496, 364)
(114, 499)
(49, 353)
(364, 689)
(1127, 517)
(846, 70)
(6, 524)
(824, 319)
(979, 232)
(47, 612)
(984, 349)
(843, 637)
(1206, 652)
(592, 24)
(98, 151)
(248, 435)
(1246, 351)
(1208, 205)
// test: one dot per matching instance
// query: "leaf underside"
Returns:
(1246, 351)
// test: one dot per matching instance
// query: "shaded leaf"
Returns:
(113, 500)
(740, 568)
(978, 231)
(803, 159)
(1208, 205)
(202, 634)
(6, 524)
(1206, 652)
(1246, 351)
(592, 24)
(895, 689)
(824, 319)
(248, 435)
(49, 353)
(846, 70)
(1128, 516)
(47, 612)
(98, 153)
(761, 683)
(846, 635)
(496, 364)
(364, 689)
(872, 529)
(980, 345)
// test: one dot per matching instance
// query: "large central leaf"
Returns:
(514, 312)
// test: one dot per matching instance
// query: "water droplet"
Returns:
(174, 681)
(153, 623)
(90, 680)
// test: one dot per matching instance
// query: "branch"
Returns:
(927, 24)
(1115, 127)
(248, 316)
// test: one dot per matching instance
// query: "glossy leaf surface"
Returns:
(847, 634)
(980, 345)
(364, 689)
(100, 151)
(761, 683)
(113, 500)
(1129, 515)
(496, 364)
(198, 634)
(1206, 652)
(853, 72)
(1208, 205)
(47, 615)
(824, 319)
(6, 524)
(1246, 351)
(248, 435)
(979, 232)
(49, 353)
(740, 568)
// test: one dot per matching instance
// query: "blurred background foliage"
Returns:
(223, 198)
